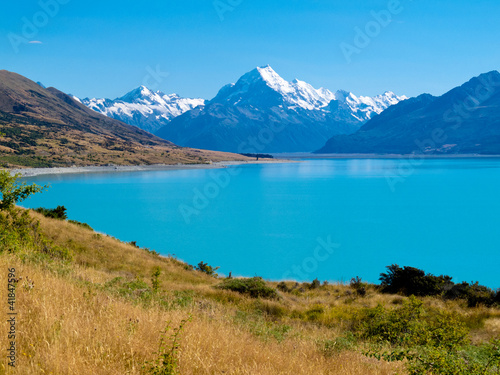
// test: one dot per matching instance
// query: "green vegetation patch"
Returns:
(254, 287)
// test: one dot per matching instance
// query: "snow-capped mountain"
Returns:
(262, 112)
(144, 108)
(300, 94)
(296, 94)
(363, 108)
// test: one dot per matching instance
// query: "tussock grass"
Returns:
(99, 314)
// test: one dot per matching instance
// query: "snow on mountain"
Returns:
(363, 108)
(293, 94)
(299, 94)
(260, 101)
(144, 108)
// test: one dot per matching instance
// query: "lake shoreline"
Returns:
(382, 156)
(33, 172)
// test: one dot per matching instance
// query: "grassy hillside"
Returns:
(90, 304)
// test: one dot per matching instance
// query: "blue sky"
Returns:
(107, 48)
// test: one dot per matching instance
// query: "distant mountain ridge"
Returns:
(465, 120)
(143, 108)
(262, 112)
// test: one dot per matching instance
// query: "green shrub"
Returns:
(475, 294)
(413, 281)
(430, 341)
(438, 360)
(472, 360)
(411, 325)
(205, 268)
(55, 213)
(13, 192)
(254, 287)
(57, 252)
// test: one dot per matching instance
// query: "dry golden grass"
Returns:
(71, 322)
(64, 328)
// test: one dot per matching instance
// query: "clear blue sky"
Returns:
(104, 48)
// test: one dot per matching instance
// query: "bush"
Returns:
(430, 341)
(13, 192)
(315, 284)
(254, 287)
(55, 213)
(475, 294)
(481, 361)
(359, 286)
(411, 325)
(413, 281)
(205, 268)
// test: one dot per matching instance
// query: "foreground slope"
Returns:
(45, 127)
(90, 304)
(466, 120)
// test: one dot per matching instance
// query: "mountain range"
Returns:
(45, 127)
(143, 108)
(261, 112)
(465, 120)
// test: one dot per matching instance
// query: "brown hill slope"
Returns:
(45, 127)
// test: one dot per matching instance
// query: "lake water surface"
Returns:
(329, 219)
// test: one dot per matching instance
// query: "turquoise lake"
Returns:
(330, 219)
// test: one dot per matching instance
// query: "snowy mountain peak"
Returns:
(363, 108)
(139, 94)
(144, 108)
(295, 94)
(272, 78)
(257, 97)
(250, 90)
